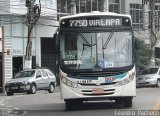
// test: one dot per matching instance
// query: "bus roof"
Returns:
(94, 13)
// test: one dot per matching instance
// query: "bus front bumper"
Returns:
(101, 91)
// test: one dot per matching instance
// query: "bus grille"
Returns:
(93, 84)
(106, 92)
(93, 75)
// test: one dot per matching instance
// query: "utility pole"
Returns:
(33, 15)
(2, 60)
(153, 38)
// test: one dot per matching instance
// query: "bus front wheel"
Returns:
(73, 104)
(125, 101)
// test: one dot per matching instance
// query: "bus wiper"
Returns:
(88, 46)
(108, 39)
(85, 46)
(84, 39)
(86, 42)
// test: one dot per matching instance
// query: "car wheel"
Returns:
(158, 83)
(10, 93)
(33, 89)
(51, 88)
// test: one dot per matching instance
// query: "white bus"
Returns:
(96, 58)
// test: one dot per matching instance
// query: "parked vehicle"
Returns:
(30, 81)
(149, 77)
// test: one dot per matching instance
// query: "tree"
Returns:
(143, 55)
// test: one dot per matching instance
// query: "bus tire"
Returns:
(124, 101)
(127, 102)
(73, 104)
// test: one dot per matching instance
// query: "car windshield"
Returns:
(149, 71)
(25, 74)
(85, 50)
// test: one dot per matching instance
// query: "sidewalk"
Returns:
(2, 94)
(2, 97)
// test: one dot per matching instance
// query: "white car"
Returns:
(149, 77)
(30, 81)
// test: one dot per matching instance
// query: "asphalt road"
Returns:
(49, 104)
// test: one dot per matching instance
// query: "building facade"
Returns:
(13, 19)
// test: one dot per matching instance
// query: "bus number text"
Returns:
(84, 81)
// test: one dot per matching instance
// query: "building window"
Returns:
(88, 5)
(136, 12)
(157, 17)
(114, 6)
(64, 6)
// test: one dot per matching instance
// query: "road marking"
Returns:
(157, 105)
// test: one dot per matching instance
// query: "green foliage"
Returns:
(143, 55)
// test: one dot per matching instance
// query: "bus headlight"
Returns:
(74, 84)
(127, 80)
(132, 76)
(68, 82)
(63, 79)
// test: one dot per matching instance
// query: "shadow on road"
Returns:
(54, 107)
(100, 105)
(87, 108)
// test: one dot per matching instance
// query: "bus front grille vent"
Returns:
(93, 84)
(90, 92)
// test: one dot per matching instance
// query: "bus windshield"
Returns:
(87, 50)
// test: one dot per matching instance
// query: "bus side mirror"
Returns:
(136, 43)
(56, 38)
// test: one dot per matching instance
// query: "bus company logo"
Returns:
(110, 79)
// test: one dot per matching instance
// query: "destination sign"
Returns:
(95, 22)
(98, 21)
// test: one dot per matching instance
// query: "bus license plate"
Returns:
(97, 91)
